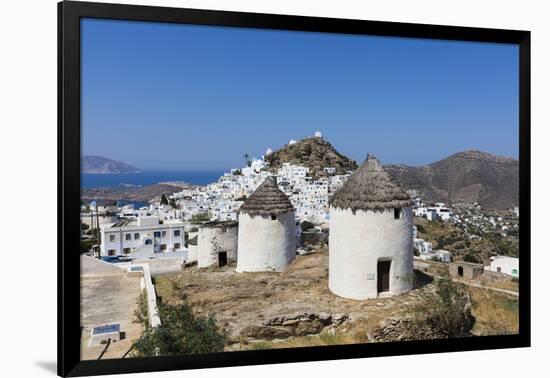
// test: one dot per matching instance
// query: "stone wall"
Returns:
(282, 327)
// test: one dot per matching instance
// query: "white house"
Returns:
(504, 264)
(430, 213)
(143, 236)
(443, 212)
(422, 246)
(436, 255)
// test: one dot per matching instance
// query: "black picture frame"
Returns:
(69, 15)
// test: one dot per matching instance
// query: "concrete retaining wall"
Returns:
(152, 309)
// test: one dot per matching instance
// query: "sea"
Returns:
(90, 181)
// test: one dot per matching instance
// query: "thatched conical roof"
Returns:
(370, 187)
(267, 200)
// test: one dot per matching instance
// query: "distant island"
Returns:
(102, 165)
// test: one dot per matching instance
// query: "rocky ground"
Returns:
(292, 306)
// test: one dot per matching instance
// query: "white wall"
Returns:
(508, 265)
(34, 41)
(213, 240)
(193, 250)
(266, 244)
(357, 242)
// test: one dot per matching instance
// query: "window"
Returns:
(177, 245)
(148, 242)
(157, 234)
(177, 232)
(163, 247)
(127, 250)
(514, 272)
(112, 238)
(396, 213)
(273, 217)
(111, 252)
(128, 236)
(136, 236)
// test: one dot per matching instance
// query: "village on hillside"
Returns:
(294, 256)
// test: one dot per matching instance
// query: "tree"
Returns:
(247, 160)
(85, 246)
(180, 332)
(163, 200)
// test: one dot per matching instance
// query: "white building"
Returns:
(422, 246)
(267, 230)
(217, 244)
(104, 207)
(370, 242)
(436, 255)
(504, 264)
(443, 212)
(430, 213)
(142, 236)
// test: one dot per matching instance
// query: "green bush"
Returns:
(85, 246)
(180, 333)
(472, 258)
(200, 217)
(140, 313)
(305, 225)
(447, 312)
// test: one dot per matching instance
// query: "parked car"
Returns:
(111, 259)
(124, 258)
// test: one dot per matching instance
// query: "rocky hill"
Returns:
(470, 176)
(315, 153)
(101, 165)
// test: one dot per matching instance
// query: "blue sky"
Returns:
(181, 97)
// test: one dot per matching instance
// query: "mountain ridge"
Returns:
(94, 164)
(467, 176)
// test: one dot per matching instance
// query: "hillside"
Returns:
(144, 194)
(470, 176)
(101, 165)
(315, 153)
